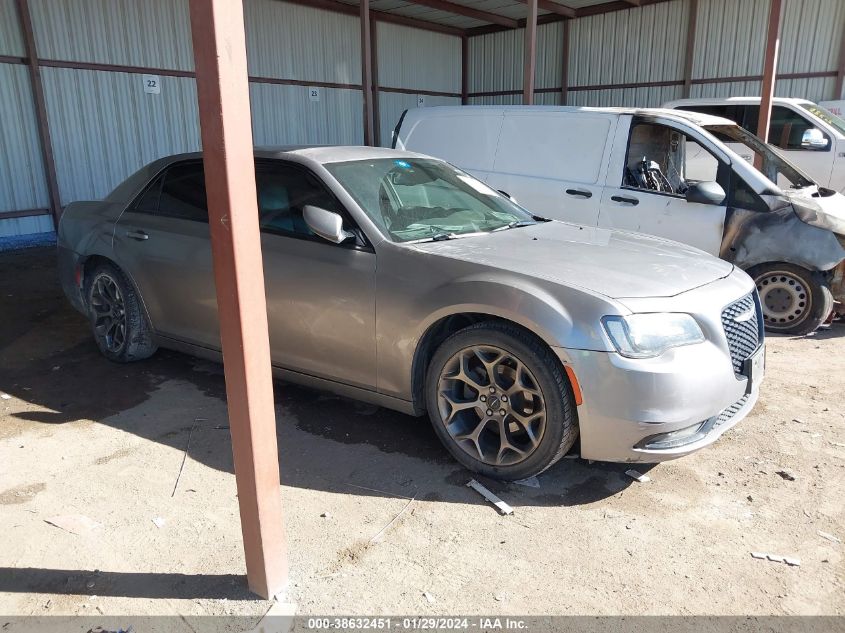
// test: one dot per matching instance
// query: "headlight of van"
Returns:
(649, 335)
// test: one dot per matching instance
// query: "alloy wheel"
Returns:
(784, 297)
(491, 405)
(109, 312)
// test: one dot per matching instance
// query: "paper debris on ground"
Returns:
(633, 474)
(792, 562)
(159, 522)
(503, 507)
(78, 524)
(760, 555)
(829, 537)
(428, 597)
(5, 396)
(531, 482)
(777, 558)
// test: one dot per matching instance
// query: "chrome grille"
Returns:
(743, 336)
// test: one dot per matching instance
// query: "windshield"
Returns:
(826, 115)
(414, 199)
(772, 164)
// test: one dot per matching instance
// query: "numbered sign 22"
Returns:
(313, 94)
(152, 84)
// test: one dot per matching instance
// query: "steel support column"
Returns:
(770, 63)
(564, 65)
(840, 69)
(464, 70)
(367, 73)
(530, 54)
(374, 92)
(217, 28)
(690, 53)
(25, 22)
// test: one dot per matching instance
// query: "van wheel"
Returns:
(500, 402)
(794, 300)
(117, 318)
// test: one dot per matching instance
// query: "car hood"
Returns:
(617, 264)
(823, 208)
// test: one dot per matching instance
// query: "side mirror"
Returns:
(813, 138)
(326, 224)
(705, 193)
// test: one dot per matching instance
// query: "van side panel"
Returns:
(467, 140)
(554, 163)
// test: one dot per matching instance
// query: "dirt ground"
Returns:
(82, 436)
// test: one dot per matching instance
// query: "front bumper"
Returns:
(629, 405)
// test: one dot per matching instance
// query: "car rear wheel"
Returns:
(500, 401)
(794, 301)
(117, 318)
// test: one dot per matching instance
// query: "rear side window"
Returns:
(147, 202)
(183, 193)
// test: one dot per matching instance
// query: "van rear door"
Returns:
(554, 162)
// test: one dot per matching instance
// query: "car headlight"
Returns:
(649, 335)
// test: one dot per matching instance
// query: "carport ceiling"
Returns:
(476, 17)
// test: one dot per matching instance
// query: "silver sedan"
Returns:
(397, 279)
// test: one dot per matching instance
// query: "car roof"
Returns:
(690, 117)
(318, 153)
(735, 100)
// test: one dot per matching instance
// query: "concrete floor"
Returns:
(83, 436)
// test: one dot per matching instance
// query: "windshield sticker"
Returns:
(402, 163)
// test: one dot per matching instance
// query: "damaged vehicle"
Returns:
(399, 280)
(680, 175)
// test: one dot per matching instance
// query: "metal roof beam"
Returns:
(554, 7)
(468, 12)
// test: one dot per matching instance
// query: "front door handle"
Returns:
(580, 193)
(137, 235)
(625, 200)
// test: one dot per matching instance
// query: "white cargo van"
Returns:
(808, 135)
(663, 172)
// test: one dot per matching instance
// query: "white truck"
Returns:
(663, 172)
(808, 135)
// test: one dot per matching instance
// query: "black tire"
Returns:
(124, 304)
(544, 374)
(795, 300)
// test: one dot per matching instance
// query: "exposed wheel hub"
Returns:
(785, 298)
(491, 405)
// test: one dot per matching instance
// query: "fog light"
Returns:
(674, 439)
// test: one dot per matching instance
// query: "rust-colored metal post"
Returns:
(464, 70)
(840, 70)
(217, 27)
(374, 92)
(367, 73)
(530, 54)
(25, 22)
(690, 54)
(564, 65)
(770, 63)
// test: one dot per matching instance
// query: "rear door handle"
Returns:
(137, 235)
(580, 193)
(625, 200)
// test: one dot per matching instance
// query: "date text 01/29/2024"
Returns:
(416, 623)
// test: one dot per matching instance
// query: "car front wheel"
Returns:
(500, 401)
(793, 299)
(117, 318)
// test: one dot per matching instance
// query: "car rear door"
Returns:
(162, 242)
(554, 162)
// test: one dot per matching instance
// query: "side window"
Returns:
(665, 160)
(283, 191)
(787, 128)
(183, 193)
(147, 202)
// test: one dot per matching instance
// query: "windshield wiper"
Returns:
(515, 225)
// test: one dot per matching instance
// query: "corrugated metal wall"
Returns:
(412, 59)
(648, 45)
(104, 126)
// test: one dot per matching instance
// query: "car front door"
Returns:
(646, 184)
(320, 296)
(162, 242)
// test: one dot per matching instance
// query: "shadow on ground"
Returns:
(47, 358)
